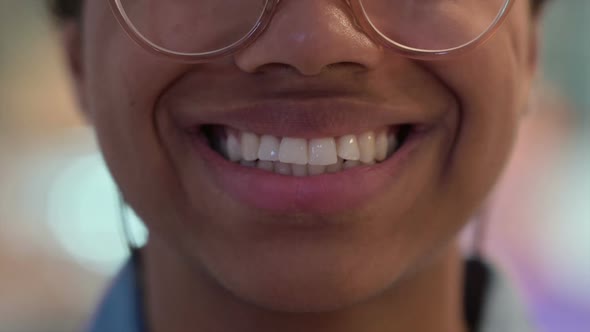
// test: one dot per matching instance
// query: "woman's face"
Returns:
(305, 243)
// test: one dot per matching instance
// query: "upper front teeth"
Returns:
(293, 151)
(269, 148)
(346, 151)
(322, 151)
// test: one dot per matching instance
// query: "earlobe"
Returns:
(71, 38)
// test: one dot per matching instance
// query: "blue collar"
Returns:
(121, 309)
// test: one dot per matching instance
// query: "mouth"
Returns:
(309, 175)
(303, 157)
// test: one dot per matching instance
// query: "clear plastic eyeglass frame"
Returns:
(266, 16)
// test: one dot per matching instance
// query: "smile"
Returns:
(306, 175)
(307, 156)
(292, 156)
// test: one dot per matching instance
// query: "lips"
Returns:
(301, 118)
(227, 140)
(321, 194)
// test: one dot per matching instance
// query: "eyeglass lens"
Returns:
(200, 26)
(432, 24)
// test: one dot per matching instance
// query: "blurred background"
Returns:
(60, 233)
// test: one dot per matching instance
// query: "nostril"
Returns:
(351, 67)
(275, 67)
(284, 68)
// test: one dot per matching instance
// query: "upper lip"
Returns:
(301, 117)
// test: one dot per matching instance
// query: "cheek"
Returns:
(123, 84)
(491, 85)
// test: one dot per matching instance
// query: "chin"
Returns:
(299, 296)
(298, 283)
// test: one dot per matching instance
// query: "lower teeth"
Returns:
(302, 170)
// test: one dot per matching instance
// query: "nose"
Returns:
(309, 36)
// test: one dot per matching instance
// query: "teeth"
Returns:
(299, 170)
(282, 168)
(392, 144)
(350, 164)
(316, 169)
(293, 151)
(335, 168)
(367, 147)
(302, 157)
(269, 148)
(248, 163)
(381, 146)
(322, 151)
(266, 165)
(233, 147)
(348, 148)
(250, 144)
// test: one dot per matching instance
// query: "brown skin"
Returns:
(393, 266)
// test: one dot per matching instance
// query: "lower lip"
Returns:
(319, 194)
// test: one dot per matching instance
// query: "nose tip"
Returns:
(309, 36)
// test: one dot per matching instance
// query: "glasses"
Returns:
(202, 30)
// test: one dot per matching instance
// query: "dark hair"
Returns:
(66, 9)
(71, 9)
(537, 4)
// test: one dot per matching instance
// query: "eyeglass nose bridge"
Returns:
(359, 16)
(271, 8)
